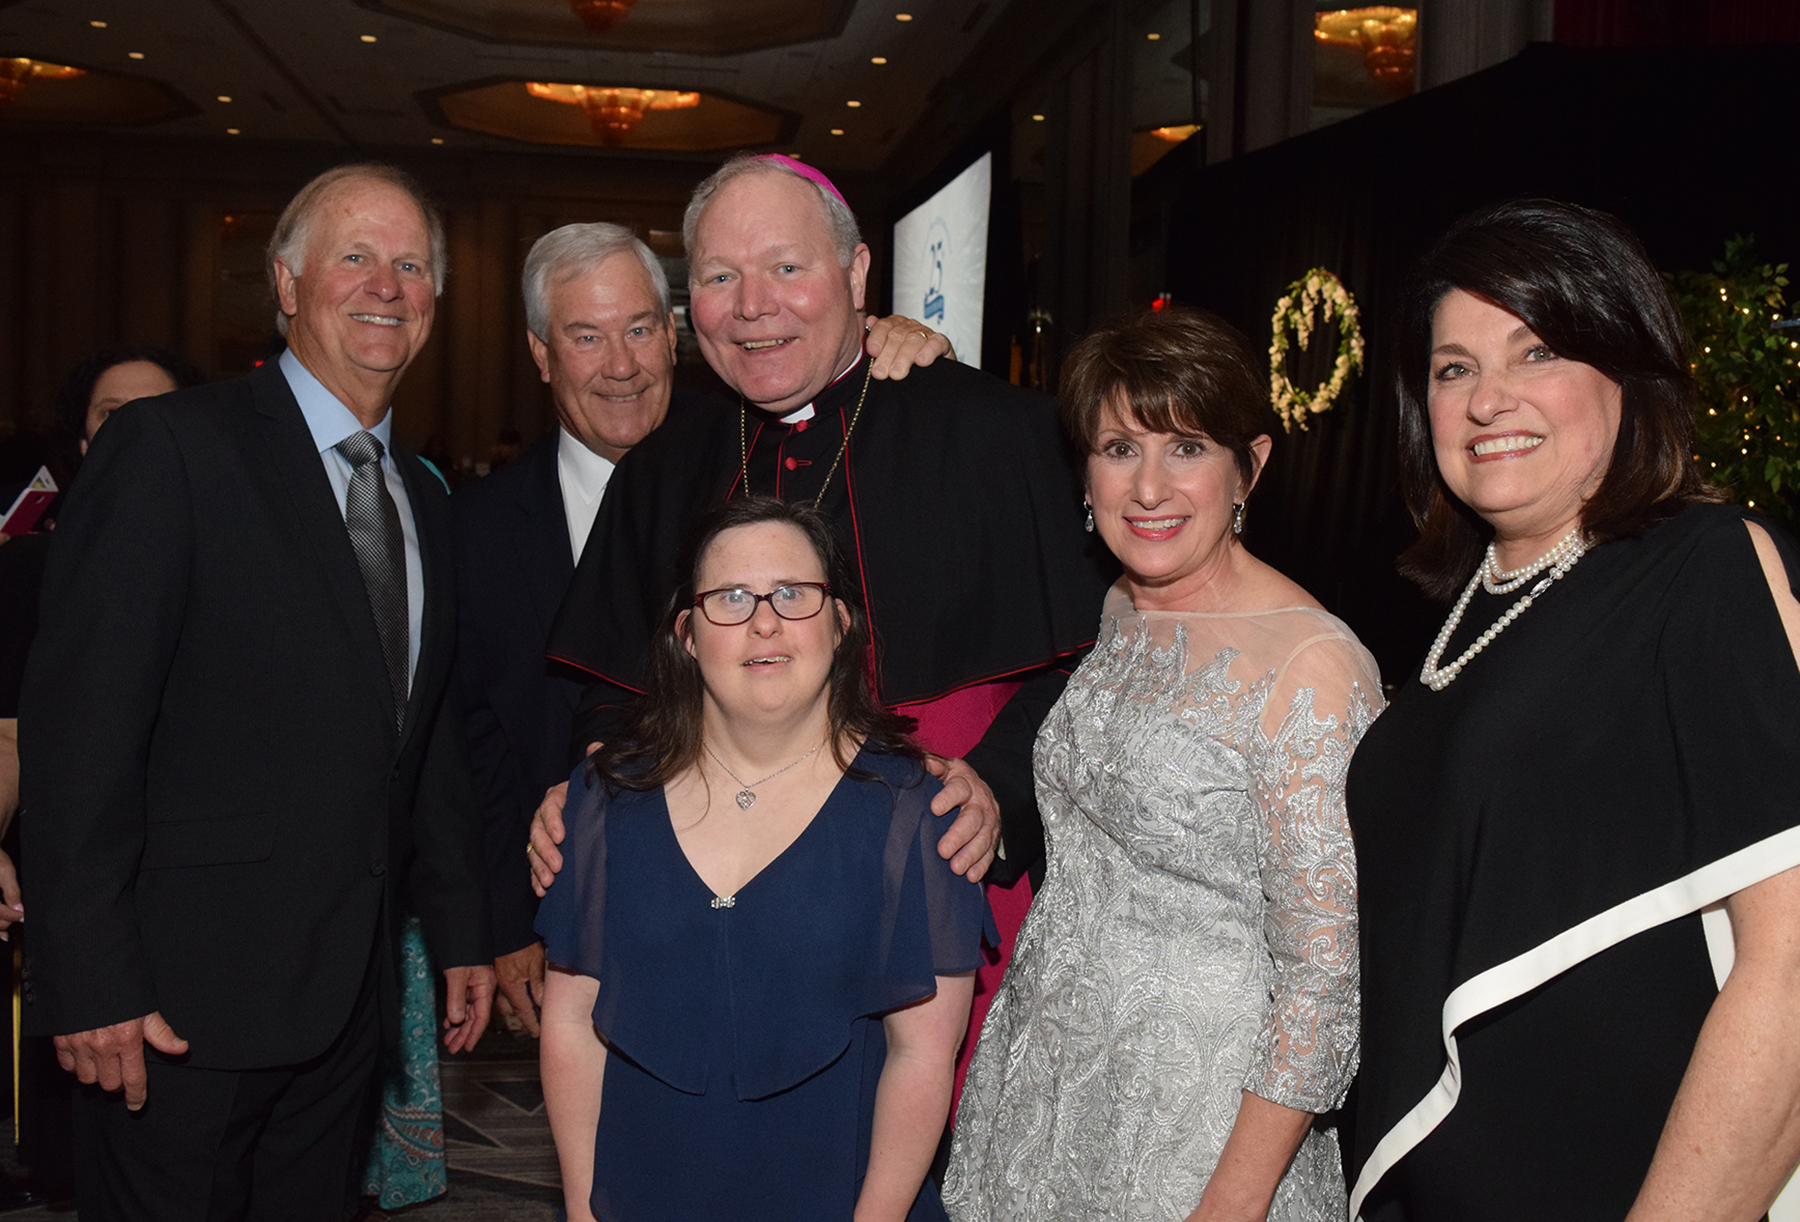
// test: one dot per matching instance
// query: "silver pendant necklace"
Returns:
(1559, 560)
(746, 799)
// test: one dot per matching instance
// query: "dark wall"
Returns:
(105, 238)
(1686, 146)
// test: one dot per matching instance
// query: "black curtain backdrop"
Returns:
(1688, 147)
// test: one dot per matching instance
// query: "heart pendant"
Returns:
(745, 799)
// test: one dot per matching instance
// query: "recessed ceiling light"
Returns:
(878, 59)
(437, 139)
(231, 131)
(853, 105)
(224, 97)
(1037, 118)
(902, 16)
(1154, 37)
(837, 131)
(134, 55)
(98, 25)
(368, 38)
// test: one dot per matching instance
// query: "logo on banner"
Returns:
(937, 248)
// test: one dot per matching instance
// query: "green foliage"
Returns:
(1749, 376)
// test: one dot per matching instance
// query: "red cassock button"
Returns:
(791, 463)
(801, 425)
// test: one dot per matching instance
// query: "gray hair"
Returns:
(845, 234)
(563, 254)
(288, 242)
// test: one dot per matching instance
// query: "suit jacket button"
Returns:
(378, 868)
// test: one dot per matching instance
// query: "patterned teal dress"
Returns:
(406, 1158)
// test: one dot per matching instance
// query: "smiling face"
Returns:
(608, 354)
(1522, 436)
(360, 308)
(1163, 505)
(766, 669)
(118, 386)
(777, 315)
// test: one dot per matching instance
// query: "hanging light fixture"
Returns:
(16, 72)
(1386, 36)
(613, 111)
(601, 15)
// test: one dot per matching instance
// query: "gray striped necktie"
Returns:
(374, 525)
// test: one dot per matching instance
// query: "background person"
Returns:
(1599, 747)
(755, 918)
(1182, 999)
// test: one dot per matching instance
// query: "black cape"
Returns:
(956, 500)
(1535, 844)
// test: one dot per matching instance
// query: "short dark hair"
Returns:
(662, 735)
(1177, 370)
(77, 388)
(1583, 284)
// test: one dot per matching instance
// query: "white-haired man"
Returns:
(234, 757)
(601, 329)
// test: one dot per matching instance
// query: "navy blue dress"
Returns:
(745, 1031)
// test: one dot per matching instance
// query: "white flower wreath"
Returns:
(1295, 311)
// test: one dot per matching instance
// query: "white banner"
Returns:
(940, 259)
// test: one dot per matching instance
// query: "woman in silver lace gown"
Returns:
(1183, 998)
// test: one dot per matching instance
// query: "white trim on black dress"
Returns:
(1524, 972)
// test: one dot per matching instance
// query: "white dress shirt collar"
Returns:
(326, 416)
(583, 476)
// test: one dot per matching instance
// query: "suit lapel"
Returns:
(543, 533)
(302, 472)
(437, 569)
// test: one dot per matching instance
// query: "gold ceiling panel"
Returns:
(61, 93)
(536, 112)
(695, 27)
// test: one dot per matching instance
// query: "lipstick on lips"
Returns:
(1157, 529)
(1492, 447)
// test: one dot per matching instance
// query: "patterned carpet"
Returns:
(502, 1165)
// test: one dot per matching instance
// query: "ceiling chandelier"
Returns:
(612, 111)
(601, 15)
(1385, 35)
(15, 72)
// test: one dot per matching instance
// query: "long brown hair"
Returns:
(1583, 284)
(663, 734)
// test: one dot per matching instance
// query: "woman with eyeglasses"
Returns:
(761, 966)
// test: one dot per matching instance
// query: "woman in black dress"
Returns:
(1587, 801)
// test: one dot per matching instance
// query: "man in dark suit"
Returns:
(234, 747)
(602, 332)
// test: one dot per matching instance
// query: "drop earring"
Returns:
(1090, 518)
(1237, 518)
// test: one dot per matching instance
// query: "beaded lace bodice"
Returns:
(1195, 934)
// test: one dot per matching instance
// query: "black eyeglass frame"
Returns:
(824, 589)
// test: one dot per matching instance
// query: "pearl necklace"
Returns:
(1496, 582)
(1559, 560)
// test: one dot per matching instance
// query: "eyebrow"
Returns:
(583, 325)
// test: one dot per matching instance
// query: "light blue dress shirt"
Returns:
(330, 422)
